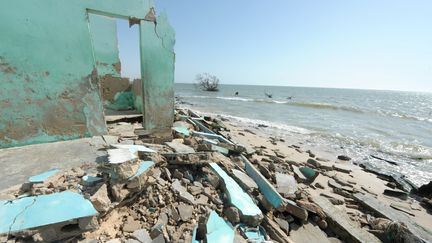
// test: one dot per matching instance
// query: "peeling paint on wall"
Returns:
(157, 69)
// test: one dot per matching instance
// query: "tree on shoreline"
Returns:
(207, 82)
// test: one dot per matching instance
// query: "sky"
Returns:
(368, 44)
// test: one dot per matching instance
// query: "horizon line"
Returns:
(295, 86)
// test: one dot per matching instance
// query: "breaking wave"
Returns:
(314, 105)
(282, 102)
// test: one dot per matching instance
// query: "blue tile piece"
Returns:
(218, 230)
(237, 197)
(31, 212)
(197, 122)
(43, 176)
(256, 234)
(183, 130)
(144, 166)
(213, 136)
(267, 189)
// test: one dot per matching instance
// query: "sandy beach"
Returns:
(360, 180)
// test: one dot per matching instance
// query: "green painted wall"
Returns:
(103, 33)
(49, 85)
(157, 69)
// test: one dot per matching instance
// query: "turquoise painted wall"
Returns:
(103, 33)
(157, 69)
(49, 85)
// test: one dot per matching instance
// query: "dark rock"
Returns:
(425, 190)
(344, 157)
(283, 224)
(396, 193)
(319, 185)
(232, 214)
(322, 224)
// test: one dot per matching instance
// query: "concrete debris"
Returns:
(285, 184)
(101, 200)
(201, 187)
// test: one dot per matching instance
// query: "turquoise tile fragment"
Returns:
(220, 149)
(43, 176)
(237, 197)
(269, 192)
(213, 136)
(144, 166)
(218, 230)
(256, 235)
(31, 212)
(183, 130)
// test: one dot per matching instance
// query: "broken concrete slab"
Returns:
(402, 208)
(387, 212)
(285, 184)
(180, 148)
(31, 212)
(341, 224)
(270, 193)
(188, 158)
(185, 211)
(307, 233)
(250, 213)
(274, 231)
(182, 192)
(213, 136)
(121, 155)
(101, 200)
(134, 148)
(142, 236)
(283, 224)
(244, 179)
(396, 193)
(42, 157)
(342, 168)
(332, 183)
(212, 147)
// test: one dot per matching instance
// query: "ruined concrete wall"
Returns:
(49, 86)
(137, 94)
(157, 70)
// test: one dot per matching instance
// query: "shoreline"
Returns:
(326, 146)
(363, 181)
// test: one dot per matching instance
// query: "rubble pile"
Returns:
(200, 186)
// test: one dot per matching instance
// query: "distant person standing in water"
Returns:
(236, 93)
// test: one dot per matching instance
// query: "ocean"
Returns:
(363, 124)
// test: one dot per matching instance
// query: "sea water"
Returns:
(394, 125)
